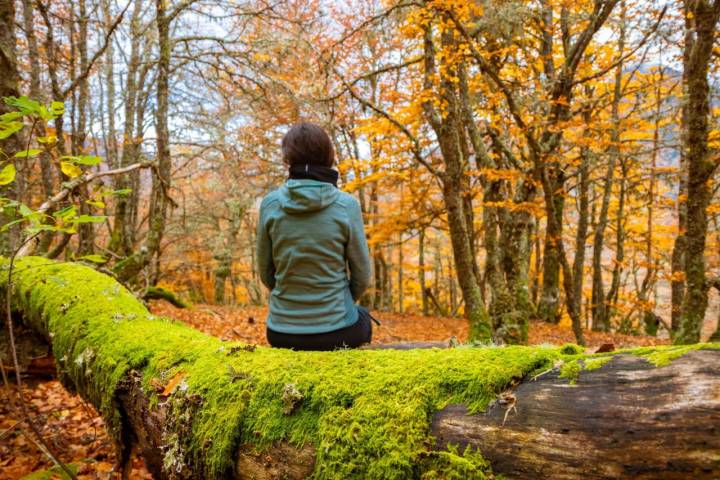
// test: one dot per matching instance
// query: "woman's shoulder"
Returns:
(270, 198)
(348, 200)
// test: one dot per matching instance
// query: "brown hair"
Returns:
(307, 143)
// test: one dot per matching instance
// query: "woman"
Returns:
(312, 252)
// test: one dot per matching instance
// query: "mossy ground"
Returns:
(366, 412)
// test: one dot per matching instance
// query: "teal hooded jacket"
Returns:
(313, 256)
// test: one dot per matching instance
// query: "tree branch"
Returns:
(70, 186)
(97, 55)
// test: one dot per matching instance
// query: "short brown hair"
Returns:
(307, 143)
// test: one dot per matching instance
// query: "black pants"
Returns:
(349, 337)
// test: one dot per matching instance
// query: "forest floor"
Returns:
(76, 433)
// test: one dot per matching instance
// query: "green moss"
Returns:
(596, 363)
(165, 294)
(453, 465)
(665, 355)
(571, 370)
(571, 349)
(366, 412)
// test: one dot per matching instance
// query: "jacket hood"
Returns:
(302, 196)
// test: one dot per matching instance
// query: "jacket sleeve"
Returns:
(358, 256)
(266, 267)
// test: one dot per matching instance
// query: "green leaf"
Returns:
(65, 213)
(45, 114)
(88, 160)
(48, 139)
(57, 108)
(8, 203)
(122, 191)
(27, 153)
(9, 128)
(25, 211)
(24, 104)
(94, 258)
(9, 116)
(89, 219)
(7, 174)
(7, 226)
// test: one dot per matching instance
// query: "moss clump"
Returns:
(572, 368)
(455, 465)
(160, 293)
(366, 412)
(571, 349)
(664, 356)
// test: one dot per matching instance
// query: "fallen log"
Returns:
(197, 407)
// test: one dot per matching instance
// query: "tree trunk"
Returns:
(421, 272)
(582, 226)
(195, 407)
(86, 231)
(9, 79)
(400, 277)
(47, 173)
(612, 296)
(149, 256)
(600, 310)
(649, 318)
(451, 140)
(700, 168)
(549, 306)
(120, 241)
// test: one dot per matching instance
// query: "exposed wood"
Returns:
(633, 420)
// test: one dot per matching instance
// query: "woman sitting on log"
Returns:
(310, 237)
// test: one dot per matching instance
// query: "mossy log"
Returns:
(197, 407)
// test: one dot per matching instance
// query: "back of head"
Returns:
(307, 143)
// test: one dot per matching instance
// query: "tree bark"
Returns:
(451, 139)
(583, 214)
(549, 305)
(600, 310)
(627, 419)
(149, 255)
(700, 167)
(120, 241)
(421, 272)
(648, 285)
(9, 80)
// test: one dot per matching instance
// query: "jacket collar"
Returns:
(306, 171)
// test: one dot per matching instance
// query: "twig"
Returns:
(70, 186)
(9, 429)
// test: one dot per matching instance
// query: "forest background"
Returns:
(514, 160)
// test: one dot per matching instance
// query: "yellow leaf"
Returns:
(7, 174)
(96, 203)
(70, 169)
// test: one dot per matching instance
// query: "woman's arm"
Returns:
(266, 266)
(358, 256)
